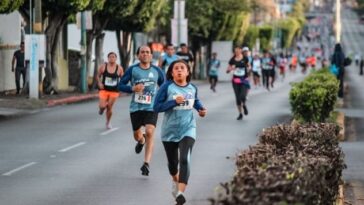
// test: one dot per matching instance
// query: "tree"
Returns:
(57, 13)
(141, 18)
(8, 6)
(110, 9)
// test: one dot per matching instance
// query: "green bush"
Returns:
(313, 99)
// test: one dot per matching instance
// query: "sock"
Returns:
(179, 193)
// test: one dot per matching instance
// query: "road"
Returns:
(64, 155)
(354, 107)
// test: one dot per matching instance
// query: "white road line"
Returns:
(19, 168)
(72, 147)
(109, 131)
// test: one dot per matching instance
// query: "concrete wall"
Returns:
(224, 50)
(10, 35)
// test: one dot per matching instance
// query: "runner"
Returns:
(282, 62)
(110, 73)
(268, 64)
(214, 66)
(168, 58)
(177, 98)
(186, 55)
(257, 69)
(144, 79)
(239, 65)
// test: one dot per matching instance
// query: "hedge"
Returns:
(291, 164)
(313, 99)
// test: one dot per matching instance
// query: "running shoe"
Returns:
(174, 189)
(240, 117)
(101, 110)
(180, 200)
(245, 110)
(139, 146)
(145, 169)
(108, 126)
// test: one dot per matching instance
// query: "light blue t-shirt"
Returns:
(152, 78)
(214, 66)
(168, 60)
(179, 120)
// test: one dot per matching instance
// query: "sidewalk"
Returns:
(16, 105)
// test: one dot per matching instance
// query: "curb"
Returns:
(72, 99)
(340, 120)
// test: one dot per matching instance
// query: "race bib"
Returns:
(186, 105)
(110, 81)
(239, 72)
(142, 99)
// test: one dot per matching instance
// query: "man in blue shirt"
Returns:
(168, 58)
(214, 65)
(144, 79)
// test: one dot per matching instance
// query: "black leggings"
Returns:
(240, 91)
(185, 149)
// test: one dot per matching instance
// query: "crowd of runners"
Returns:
(166, 87)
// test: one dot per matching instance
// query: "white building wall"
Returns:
(10, 35)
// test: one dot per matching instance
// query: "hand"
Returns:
(180, 99)
(202, 112)
(101, 86)
(138, 88)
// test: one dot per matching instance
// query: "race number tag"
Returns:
(110, 81)
(239, 72)
(143, 99)
(186, 105)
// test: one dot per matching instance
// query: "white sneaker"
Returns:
(108, 126)
(174, 189)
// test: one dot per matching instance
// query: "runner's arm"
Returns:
(123, 83)
(197, 105)
(99, 74)
(121, 71)
(161, 77)
(161, 104)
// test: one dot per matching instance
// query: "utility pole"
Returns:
(83, 53)
(34, 48)
(338, 22)
(179, 23)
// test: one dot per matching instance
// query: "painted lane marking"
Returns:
(72, 147)
(19, 169)
(109, 131)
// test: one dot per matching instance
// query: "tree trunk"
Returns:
(99, 56)
(124, 46)
(52, 32)
(99, 24)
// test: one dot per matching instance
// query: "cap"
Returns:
(245, 49)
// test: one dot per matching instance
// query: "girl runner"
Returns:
(177, 98)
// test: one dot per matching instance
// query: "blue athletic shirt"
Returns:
(179, 120)
(168, 60)
(152, 78)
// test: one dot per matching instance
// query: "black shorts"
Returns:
(256, 74)
(142, 118)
